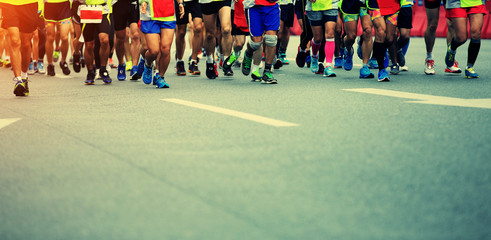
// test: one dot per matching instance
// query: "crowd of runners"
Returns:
(77, 34)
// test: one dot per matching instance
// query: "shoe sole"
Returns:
(429, 73)
(384, 80)
(181, 74)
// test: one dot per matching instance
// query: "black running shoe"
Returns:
(301, 57)
(76, 63)
(278, 64)
(246, 65)
(193, 68)
(51, 70)
(268, 78)
(21, 88)
(64, 67)
(211, 70)
(180, 70)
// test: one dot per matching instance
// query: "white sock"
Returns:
(429, 55)
(23, 75)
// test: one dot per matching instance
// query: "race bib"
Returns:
(90, 13)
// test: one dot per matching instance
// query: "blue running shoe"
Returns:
(470, 73)
(147, 74)
(308, 59)
(365, 72)
(139, 70)
(314, 64)
(105, 76)
(383, 76)
(450, 57)
(134, 71)
(328, 72)
(121, 72)
(348, 59)
(338, 62)
(160, 82)
(372, 63)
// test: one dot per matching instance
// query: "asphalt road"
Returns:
(128, 161)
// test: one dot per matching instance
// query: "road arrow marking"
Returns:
(7, 121)
(233, 113)
(428, 99)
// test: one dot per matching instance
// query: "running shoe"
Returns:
(372, 63)
(147, 74)
(301, 57)
(7, 63)
(51, 70)
(227, 65)
(41, 68)
(180, 70)
(211, 70)
(21, 88)
(246, 65)
(30, 70)
(321, 69)
(139, 70)
(394, 69)
(404, 68)
(90, 77)
(64, 67)
(238, 63)
(129, 65)
(193, 68)
(111, 63)
(278, 64)
(365, 72)
(338, 62)
(56, 55)
(160, 82)
(268, 78)
(401, 60)
(283, 59)
(308, 59)
(36, 67)
(383, 76)
(133, 71)
(105, 76)
(348, 59)
(450, 56)
(76, 63)
(314, 65)
(454, 68)
(328, 72)
(429, 68)
(121, 72)
(203, 51)
(256, 75)
(82, 61)
(470, 73)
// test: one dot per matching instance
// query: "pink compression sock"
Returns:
(329, 49)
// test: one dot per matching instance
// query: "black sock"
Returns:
(473, 51)
(401, 42)
(379, 54)
(454, 45)
(267, 67)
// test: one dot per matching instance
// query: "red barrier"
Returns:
(419, 23)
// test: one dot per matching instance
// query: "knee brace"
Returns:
(270, 40)
(255, 45)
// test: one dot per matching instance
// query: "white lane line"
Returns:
(428, 99)
(7, 121)
(233, 113)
